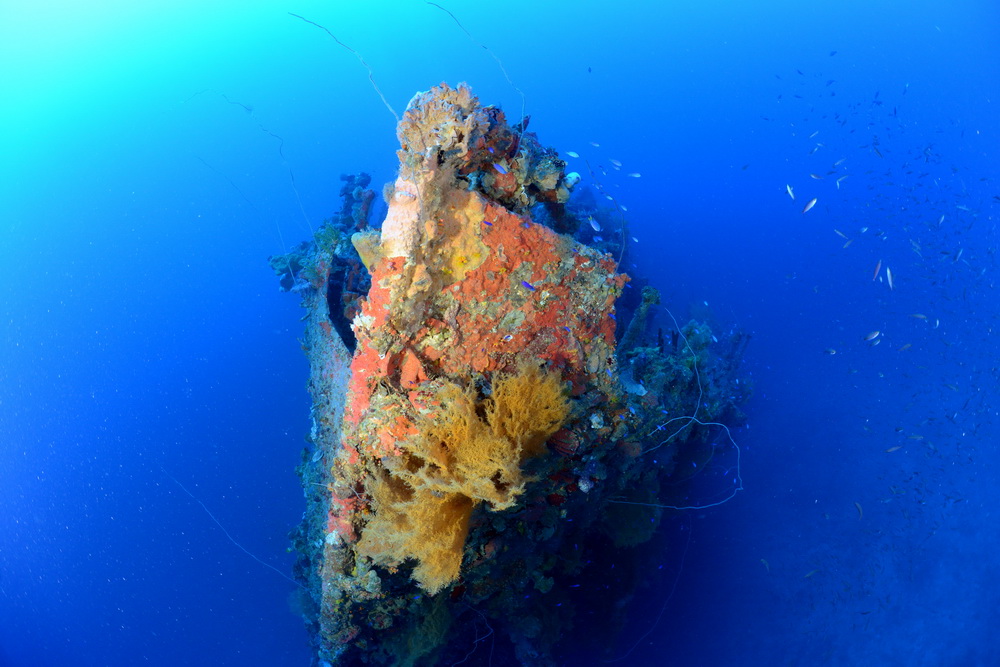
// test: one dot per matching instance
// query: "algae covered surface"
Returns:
(484, 434)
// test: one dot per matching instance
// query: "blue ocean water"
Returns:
(152, 400)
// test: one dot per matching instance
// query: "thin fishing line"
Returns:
(281, 152)
(498, 62)
(738, 481)
(663, 607)
(697, 377)
(371, 74)
(688, 420)
(277, 227)
(478, 640)
(223, 529)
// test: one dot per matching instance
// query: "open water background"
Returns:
(154, 154)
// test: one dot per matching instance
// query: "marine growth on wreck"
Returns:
(494, 410)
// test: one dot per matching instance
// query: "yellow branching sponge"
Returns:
(417, 523)
(466, 452)
(527, 408)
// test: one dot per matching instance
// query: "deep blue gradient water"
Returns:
(152, 156)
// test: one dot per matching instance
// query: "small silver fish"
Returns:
(635, 174)
(499, 167)
(595, 144)
(572, 154)
(615, 162)
(594, 224)
(790, 192)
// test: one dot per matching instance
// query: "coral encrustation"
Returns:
(474, 311)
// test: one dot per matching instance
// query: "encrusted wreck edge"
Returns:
(465, 290)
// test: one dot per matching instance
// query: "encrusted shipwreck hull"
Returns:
(464, 454)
